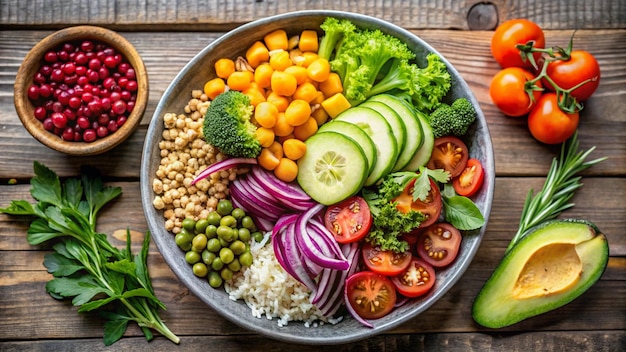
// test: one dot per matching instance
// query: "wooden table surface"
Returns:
(169, 33)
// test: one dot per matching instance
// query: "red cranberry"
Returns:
(110, 62)
(130, 74)
(94, 64)
(119, 107)
(121, 120)
(57, 75)
(123, 67)
(103, 72)
(68, 134)
(83, 122)
(102, 131)
(112, 126)
(40, 113)
(70, 79)
(48, 125)
(81, 58)
(74, 102)
(89, 135)
(39, 78)
(50, 56)
(63, 55)
(58, 120)
(115, 96)
(33, 92)
(69, 68)
(132, 86)
(87, 46)
(45, 91)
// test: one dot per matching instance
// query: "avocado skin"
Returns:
(496, 307)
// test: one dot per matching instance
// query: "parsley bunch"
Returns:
(84, 264)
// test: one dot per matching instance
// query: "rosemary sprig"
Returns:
(559, 187)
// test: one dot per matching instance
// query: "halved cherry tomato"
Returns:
(430, 207)
(508, 91)
(349, 220)
(470, 180)
(387, 263)
(416, 280)
(450, 154)
(549, 124)
(371, 295)
(439, 244)
(582, 66)
(508, 35)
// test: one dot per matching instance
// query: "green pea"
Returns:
(245, 258)
(208, 257)
(215, 280)
(237, 247)
(201, 225)
(183, 240)
(213, 245)
(247, 222)
(224, 207)
(192, 257)
(214, 218)
(200, 269)
(217, 264)
(224, 243)
(228, 220)
(224, 232)
(211, 231)
(227, 255)
(235, 265)
(226, 274)
(244, 234)
(199, 242)
(238, 213)
(189, 224)
(257, 236)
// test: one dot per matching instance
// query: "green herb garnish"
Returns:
(85, 266)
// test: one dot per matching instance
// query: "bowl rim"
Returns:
(24, 79)
(251, 324)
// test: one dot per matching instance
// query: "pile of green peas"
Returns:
(219, 246)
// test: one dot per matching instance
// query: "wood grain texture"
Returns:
(212, 15)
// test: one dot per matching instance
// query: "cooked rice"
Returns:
(267, 289)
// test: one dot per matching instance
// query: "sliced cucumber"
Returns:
(354, 132)
(333, 168)
(377, 127)
(414, 134)
(395, 122)
(422, 155)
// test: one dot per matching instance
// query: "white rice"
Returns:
(268, 290)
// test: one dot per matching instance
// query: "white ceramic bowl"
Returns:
(195, 74)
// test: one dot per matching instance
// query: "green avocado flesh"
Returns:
(554, 263)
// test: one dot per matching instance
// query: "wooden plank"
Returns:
(597, 341)
(212, 15)
(516, 152)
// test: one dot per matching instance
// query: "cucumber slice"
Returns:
(377, 127)
(414, 133)
(395, 122)
(354, 132)
(422, 155)
(333, 168)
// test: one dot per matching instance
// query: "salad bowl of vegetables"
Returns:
(318, 177)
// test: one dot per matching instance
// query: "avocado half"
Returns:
(554, 263)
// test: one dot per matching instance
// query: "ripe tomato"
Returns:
(439, 244)
(470, 180)
(450, 154)
(349, 220)
(508, 91)
(548, 123)
(508, 35)
(416, 280)
(430, 207)
(581, 66)
(387, 263)
(371, 295)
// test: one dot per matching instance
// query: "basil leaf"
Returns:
(462, 213)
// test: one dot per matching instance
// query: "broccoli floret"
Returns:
(334, 31)
(452, 120)
(227, 125)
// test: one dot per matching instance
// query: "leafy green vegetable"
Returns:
(371, 62)
(452, 120)
(227, 125)
(85, 266)
(558, 189)
(460, 211)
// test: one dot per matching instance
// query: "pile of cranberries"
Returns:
(83, 91)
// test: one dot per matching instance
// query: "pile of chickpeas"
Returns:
(218, 246)
(184, 153)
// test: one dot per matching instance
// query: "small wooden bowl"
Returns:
(32, 63)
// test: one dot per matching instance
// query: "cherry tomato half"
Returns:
(508, 35)
(430, 207)
(387, 263)
(582, 66)
(349, 220)
(548, 123)
(416, 280)
(371, 295)
(470, 180)
(450, 154)
(508, 91)
(439, 244)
